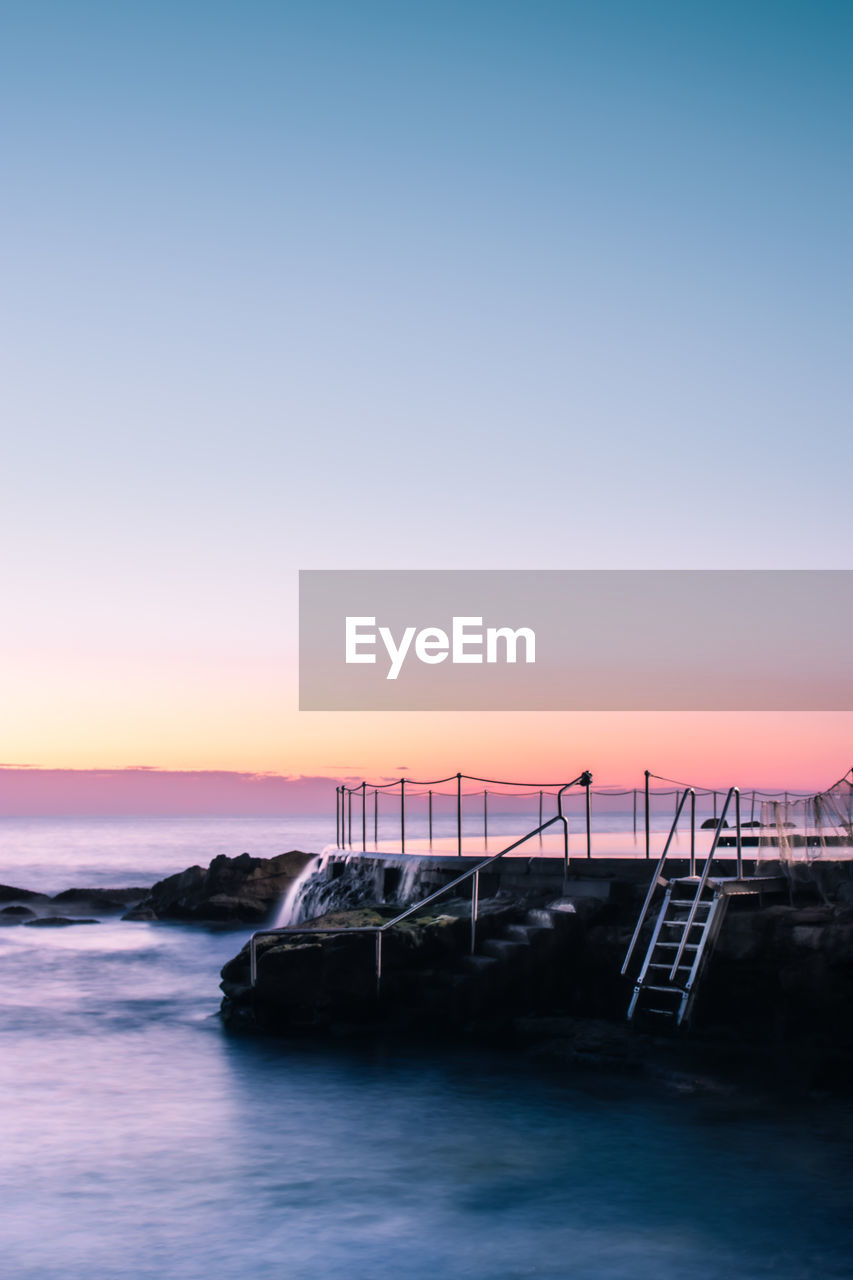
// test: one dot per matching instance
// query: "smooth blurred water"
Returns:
(51, 854)
(140, 1140)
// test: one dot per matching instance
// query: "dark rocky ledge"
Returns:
(240, 890)
(237, 890)
(775, 998)
(71, 906)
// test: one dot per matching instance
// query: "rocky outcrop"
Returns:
(9, 893)
(242, 890)
(14, 914)
(71, 906)
(105, 901)
(56, 922)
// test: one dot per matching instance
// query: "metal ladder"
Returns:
(687, 926)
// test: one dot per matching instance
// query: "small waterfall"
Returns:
(350, 882)
(290, 911)
(408, 882)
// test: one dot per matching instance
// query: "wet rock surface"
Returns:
(71, 906)
(56, 922)
(9, 893)
(231, 890)
(239, 890)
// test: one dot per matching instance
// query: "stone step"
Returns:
(480, 963)
(523, 933)
(502, 948)
(539, 917)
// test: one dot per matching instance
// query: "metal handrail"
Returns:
(657, 878)
(703, 879)
(473, 874)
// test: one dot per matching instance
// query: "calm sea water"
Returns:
(141, 1140)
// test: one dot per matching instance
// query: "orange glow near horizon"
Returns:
(208, 716)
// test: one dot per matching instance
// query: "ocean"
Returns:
(139, 1139)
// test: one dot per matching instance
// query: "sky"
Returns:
(504, 285)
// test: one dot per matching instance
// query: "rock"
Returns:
(844, 893)
(807, 935)
(106, 900)
(8, 893)
(17, 912)
(710, 823)
(143, 913)
(233, 890)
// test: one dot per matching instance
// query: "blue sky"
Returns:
(391, 285)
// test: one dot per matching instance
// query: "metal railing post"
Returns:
(648, 842)
(349, 818)
(588, 820)
(692, 832)
(485, 817)
(739, 839)
(376, 817)
(459, 815)
(364, 817)
(430, 816)
(337, 817)
(378, 962)
(475, 905)
(562, 817)
(402, 815)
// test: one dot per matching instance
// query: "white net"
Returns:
(807, 828)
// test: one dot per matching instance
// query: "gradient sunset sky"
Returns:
(383, 285)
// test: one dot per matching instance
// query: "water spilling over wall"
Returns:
(343, 882)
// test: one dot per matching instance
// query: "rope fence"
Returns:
(773, 807)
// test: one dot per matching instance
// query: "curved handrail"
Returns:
(472, 873)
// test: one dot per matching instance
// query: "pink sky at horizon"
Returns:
(795, 751)
(214, 718)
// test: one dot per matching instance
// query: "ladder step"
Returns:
(687, 915)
